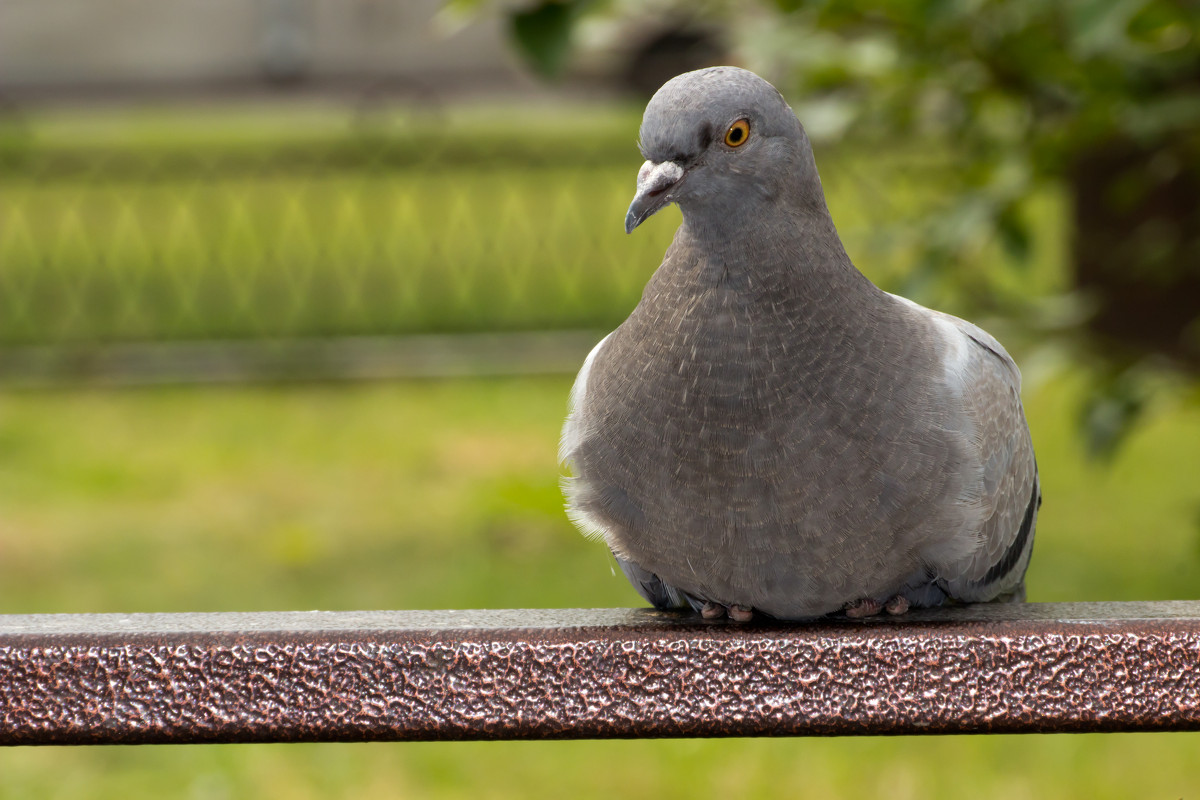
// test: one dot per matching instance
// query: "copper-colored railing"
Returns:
(306, 676)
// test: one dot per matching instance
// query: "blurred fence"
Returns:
(429, 227)
(183, 226)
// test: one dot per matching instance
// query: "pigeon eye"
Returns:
(738, 133)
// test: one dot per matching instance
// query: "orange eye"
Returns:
(738, 133)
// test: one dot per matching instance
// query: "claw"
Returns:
(897, 605)
(866, 607)
(711, 610)
(741, 613)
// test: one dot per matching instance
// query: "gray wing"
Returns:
(1006, 493)
(658, 592)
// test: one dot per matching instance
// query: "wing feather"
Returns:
(996, 430)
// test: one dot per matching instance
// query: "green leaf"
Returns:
(1110, 413)
(1013, 232)
(1099, 26)
(543, 34)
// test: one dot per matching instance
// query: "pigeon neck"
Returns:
(797, 256)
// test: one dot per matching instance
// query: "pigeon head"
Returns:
(719, 142)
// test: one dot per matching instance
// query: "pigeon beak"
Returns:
(653, 184)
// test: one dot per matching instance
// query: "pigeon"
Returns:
(769, 432)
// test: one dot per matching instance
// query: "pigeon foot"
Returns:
(897, 605)
(741, 613)
(866, 607)
(711, 610)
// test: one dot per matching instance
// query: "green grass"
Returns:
(444, 495)
(155, 491)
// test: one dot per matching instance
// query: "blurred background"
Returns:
(292, 293)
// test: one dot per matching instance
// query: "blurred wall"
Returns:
(64, 46)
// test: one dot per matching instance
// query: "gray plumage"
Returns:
(768, 430)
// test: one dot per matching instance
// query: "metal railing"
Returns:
(536, 674)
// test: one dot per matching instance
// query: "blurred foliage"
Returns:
(542, 33)
(1023, 91)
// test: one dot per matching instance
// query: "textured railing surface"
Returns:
(305, 676)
